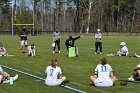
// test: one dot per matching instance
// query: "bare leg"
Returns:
(1, 77)
(93, 78)
(21, 49)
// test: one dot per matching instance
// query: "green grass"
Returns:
(76, 69)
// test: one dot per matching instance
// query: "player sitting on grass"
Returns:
(31, 50)
(3, 51)
(136, 74)
(5, 77)
(123, 51)
(103, 75)
(54, 74)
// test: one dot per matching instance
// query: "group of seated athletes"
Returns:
(30, 50)
(102, 77)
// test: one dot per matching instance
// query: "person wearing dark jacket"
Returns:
(71, 41)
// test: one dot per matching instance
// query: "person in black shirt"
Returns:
(23, 36)
(70, 42)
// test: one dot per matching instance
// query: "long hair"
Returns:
(54, 62)
(103, 61)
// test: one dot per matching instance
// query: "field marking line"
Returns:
(39, 78)
(26, 69)
(74, 83)
(102, 91)
(40, 73)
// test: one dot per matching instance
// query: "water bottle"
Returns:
(11, 80)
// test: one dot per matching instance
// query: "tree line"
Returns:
(72, 15)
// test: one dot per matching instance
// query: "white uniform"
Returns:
(1, 77)
(1, 69)
(31, 51)
(103, 79)
(52, 76)
(124, 49)
(2, 50)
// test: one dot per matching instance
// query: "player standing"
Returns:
(23, 36)
(56, 40)
(98, 41)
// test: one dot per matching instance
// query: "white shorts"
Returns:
(23, 42)
(101, 83)
(53, 82)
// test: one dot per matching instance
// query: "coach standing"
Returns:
(98, 41)
(56, 40)
(23, 36)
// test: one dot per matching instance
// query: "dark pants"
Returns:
(57, 42)
(98, 44)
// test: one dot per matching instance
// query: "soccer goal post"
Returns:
(22, 14)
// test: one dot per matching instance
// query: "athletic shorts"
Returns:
(23, 42)
(107, 83)
(53, 82)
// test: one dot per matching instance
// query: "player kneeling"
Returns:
(54, 74)
(31, 50)
(103, 76)
(5, 77)
(3, 51)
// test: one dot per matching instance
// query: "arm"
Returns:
(111, 74)
(59, 76)
(76, 38)
(66, 43)
(60, 73)
(5, 74)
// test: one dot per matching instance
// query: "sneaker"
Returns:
(53, 52)
(59, 52)
(15, 77)
(131, 79)
(100, 52)
(6, 81)
(95, 53)
(136, 55)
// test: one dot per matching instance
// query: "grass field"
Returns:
(77, 70)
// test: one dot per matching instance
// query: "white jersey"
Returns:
(1, 68)
(2, 49)
(52, 73)
(56, 36)
(124, 49)
(31, 50)
(103, 71)
(98, 37)
(103, 79)
(52, 76)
